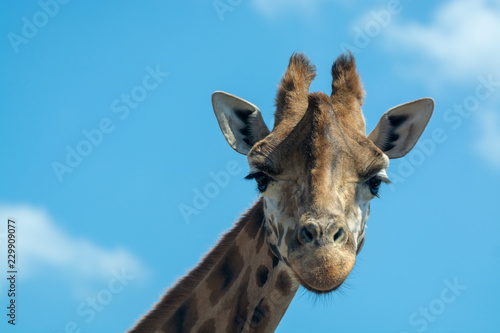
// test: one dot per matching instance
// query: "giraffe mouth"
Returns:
(322, 270)
(317, 291)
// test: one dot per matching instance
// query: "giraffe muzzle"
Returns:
(322, 255)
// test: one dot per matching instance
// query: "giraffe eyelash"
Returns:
(262, 180)
(252, 175)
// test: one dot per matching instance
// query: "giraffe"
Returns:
(317, 172)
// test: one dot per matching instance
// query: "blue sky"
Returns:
(101, 236)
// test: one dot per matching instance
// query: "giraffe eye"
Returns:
(262, 180)
(374, 185)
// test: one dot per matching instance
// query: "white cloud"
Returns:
(488, 145)
(271, 8)
(43, 246)
(460, 42)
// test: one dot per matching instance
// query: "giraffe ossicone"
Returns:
(317, 172)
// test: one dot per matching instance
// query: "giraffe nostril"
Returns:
(305, 235)
(340, 236)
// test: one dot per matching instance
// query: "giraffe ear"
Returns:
(399, 129)
(240, 121)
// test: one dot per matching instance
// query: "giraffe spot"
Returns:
(274, 249)
(240, 314)
(183, 319)
(275, 259)
(284, 283)
(224, 273)
(260, 316)
(261, 275)
(208, 326)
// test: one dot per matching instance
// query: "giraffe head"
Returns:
(317, 170)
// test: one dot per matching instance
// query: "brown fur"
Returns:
(184, 318)
(261, 317)
(291, 100)
(208, 326)
(240, 310)
(346, 83)
(174, 297)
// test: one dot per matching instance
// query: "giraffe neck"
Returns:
(240, 286)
